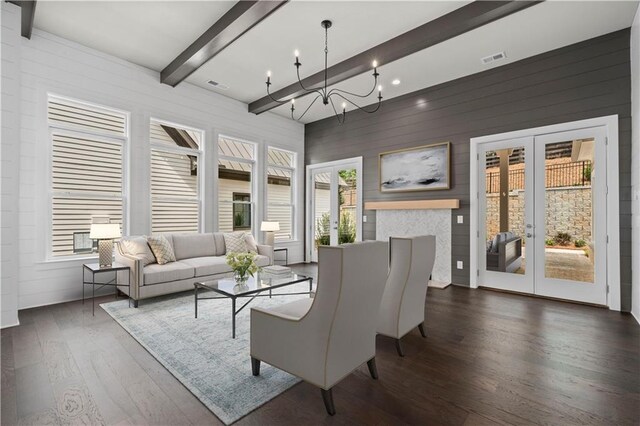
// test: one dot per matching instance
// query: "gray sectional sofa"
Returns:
(199, 257)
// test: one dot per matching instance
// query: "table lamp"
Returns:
(105, 233)
(269, 228)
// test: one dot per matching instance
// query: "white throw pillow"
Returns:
(252, 245)
(235, 242)
(138, 248)
(161, 249)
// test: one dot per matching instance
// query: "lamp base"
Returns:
(269, 237)
(105, 251)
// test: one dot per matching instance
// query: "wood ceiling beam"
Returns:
(243, 16)
(453, 24)
(28, 12)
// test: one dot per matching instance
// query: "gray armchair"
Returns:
(403, 303)
(324, 339)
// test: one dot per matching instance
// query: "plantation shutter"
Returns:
(86, 169)
(175, 205)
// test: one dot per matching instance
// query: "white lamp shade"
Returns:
(104, 231)
(270, 226)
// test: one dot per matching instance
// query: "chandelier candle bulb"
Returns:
(375, 64)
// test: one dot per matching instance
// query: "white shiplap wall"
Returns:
(9, 163)
(49, 64)
(635, 165)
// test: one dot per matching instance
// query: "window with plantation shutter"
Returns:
(236, 162)
(280, 197)
(175, 196)
(86, 170)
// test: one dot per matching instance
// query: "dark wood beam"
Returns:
(441, 29)
(243, 16)
(27, 14)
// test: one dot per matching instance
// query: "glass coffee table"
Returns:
(259, 286)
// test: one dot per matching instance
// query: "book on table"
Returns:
(276, 270)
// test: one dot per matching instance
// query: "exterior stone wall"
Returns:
(568, 210)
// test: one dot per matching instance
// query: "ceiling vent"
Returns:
(492, 58)
(218, 85)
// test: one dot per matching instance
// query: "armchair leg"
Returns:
(421, 328)
(399, 348)
(327, 397)
(372, 368)
(135, 303)
(255, 366)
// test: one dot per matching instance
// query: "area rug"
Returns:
(200, 351)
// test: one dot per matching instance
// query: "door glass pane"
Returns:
(569, 172)
(347, 203)
(505, 196)
(322, 213)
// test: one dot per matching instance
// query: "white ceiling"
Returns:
(147, 33)
(153, 33)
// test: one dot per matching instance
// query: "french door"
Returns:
(542, 215)
(334, 204)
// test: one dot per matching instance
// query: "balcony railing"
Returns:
(556, 176)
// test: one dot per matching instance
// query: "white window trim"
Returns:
(198, 153)
(70, 129)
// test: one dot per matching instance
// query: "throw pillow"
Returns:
(235, 242)
(161, 249)
(252, 245)
(138, 248)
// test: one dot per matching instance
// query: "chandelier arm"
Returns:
(308, 108)
(358, 106)
(318, 91)
(375, 84)
(340, 122)
(274, 99)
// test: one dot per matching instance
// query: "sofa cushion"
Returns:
(187, 246)
(221, 249)
(174, 271)
(208, 265)
(138, 248)
(262, 260)
(162, 249)
(235, 242)
(250, 241)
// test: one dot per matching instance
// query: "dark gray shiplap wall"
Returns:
(585, 80)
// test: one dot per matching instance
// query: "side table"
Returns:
(93, 269)
(286, 254)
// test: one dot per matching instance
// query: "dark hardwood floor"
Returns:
(489, 358)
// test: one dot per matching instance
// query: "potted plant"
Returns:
(243, 265)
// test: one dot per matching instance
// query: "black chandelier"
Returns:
(322, 93)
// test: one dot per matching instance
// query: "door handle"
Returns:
(529, 235)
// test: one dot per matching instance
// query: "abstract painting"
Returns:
(422, 168)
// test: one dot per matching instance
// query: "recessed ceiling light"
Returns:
(395, 82)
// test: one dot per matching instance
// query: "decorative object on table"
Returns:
(327, 95)
(270, 228)
(235, 242)
(162, 249)
(243, 265)
(276, 270)
(105, 234)
(422, 168)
